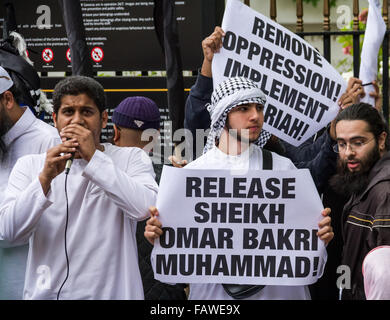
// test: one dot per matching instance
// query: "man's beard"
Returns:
(5, 125)
(348, 183)
(236, 134)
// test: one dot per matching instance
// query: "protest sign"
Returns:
(373, 37)
(220, 227)
(302, 88)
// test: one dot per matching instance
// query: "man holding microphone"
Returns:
(81, 225)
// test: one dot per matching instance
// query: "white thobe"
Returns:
(107, 196)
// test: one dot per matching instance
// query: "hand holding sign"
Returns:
(176, 162)
(353, 94)
(211, 45)
(325, 233)
(153, 226)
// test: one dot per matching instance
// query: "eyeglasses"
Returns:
(342, 147)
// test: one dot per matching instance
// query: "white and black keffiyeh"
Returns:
(229, 94)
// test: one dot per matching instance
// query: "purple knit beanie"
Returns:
(137, 113)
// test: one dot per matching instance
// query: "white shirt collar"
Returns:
(20, 127)
(246, 153)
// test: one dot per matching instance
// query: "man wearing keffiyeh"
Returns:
(228, 95)
(235, 142)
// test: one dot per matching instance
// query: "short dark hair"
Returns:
(366, 112)
(16, 93)
(76, 85)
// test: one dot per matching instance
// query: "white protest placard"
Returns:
(373, 37)
(302, 88)
(220, 227)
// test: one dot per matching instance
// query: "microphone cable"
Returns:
(66, 230)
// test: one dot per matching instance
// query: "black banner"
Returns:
(72, 14)
(120, 35)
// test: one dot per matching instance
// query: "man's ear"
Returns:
(104, 118)
(9, 100)
(54, 116)
(117, 134)
(382, 141)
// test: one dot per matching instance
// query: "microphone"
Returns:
(69, 162)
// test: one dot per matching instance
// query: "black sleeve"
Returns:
(320, 161)
(196, 114)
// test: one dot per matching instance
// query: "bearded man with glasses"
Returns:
(364, 175)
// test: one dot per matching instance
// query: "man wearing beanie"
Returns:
(21, 133)
(137, 124)
(235, 142)
(131, 118)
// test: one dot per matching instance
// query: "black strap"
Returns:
(267, 159)
(239, 291)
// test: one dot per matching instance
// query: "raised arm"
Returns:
(196, 115)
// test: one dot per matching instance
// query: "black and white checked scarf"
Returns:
(229, 94)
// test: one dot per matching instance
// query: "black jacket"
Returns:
(366, 224)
